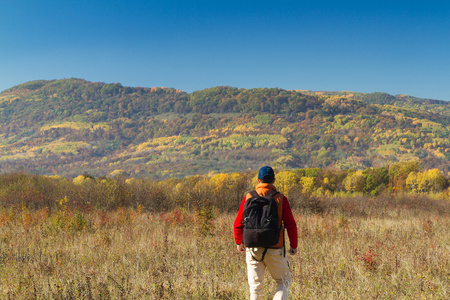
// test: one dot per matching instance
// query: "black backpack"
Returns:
(260, 217)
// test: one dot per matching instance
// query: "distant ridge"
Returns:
(73, 126)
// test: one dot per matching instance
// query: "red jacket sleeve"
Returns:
(238, 227)
(289, 224)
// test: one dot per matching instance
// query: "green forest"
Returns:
(71, 127)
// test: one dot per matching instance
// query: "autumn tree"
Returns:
(428, 181)
(398, 173)
(354, 182)
(376, 180)
(288, 183)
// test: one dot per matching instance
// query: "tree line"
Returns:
(221, 191)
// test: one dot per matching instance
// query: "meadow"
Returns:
(387, 247)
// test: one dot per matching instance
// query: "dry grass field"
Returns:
(357, 249)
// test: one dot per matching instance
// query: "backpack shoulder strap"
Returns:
(253, 194)
(271, 193)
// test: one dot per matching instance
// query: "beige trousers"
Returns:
(278, 266)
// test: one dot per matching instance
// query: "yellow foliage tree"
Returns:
(399, 172)
(429, 181)
(354, 182)
(308, 184)
(412, 182)
(82, 179)
(433, 181)
(219, 182)
(287, 182)
(229, 187)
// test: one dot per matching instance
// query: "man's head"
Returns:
(266, 175)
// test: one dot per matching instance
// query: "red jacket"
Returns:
(284, 211)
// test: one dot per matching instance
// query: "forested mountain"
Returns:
(72, 126)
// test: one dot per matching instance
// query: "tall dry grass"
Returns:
(359, 248)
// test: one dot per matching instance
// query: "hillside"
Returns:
(72, 126)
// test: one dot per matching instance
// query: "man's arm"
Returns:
(289, 224)
(238, 224)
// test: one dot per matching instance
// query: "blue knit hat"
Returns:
(266, 173)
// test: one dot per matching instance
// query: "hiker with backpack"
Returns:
(259, 232)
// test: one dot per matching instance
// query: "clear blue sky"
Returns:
(398, 47)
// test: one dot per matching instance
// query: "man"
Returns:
(274, 259)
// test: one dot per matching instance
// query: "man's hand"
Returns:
(241, 248)
(292, 251)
